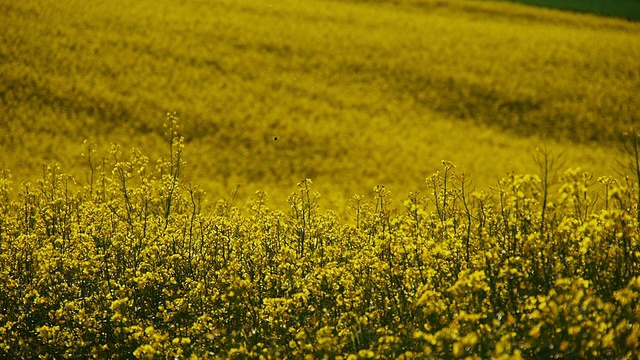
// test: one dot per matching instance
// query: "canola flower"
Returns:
(137, 264)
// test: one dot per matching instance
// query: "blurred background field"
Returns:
(349, 93)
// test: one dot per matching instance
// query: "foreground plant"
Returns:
(136, 263)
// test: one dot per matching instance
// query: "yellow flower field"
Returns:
(135, 263)
(356, 93)
(523, 243)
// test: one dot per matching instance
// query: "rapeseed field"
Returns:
(356, 93)
(322, 126)
(135, 264)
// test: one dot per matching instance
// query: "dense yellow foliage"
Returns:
(357, 93)
(134, 263)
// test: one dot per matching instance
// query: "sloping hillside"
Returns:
(349, 94)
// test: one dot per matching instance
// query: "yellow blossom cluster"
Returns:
(135, 264)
